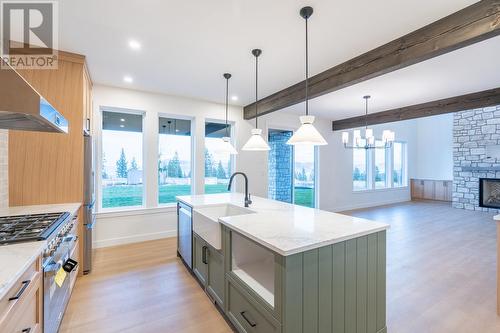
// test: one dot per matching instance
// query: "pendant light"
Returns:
(368, 142)
(256, 142)
(307, 134)
(226, 146)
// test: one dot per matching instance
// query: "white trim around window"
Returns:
(98, 149)
(389, 169)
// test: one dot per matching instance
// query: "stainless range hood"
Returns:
(23, 108)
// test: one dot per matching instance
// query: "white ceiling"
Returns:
(187, 45)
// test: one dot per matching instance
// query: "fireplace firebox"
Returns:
(489, 192)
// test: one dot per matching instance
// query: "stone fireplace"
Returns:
(476, 159)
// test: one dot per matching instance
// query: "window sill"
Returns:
(387, 189)
(133, 211)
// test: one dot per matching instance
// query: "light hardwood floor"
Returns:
(441, 268)
(441, 277)
(141, 287)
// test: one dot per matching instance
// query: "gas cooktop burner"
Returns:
(33, 227)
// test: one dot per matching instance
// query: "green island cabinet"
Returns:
(338, 288)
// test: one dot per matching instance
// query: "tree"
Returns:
(133, 164)
(221, 173)
(378, 175)
(303, 175)
(103, 167)
(121, 166)
(356, 175)
(174, 167)
(209, 164)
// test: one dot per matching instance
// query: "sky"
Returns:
(114, 141)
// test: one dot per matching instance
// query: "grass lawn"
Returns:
(304, 196)
(131, 195)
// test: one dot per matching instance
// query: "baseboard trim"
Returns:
(134, 238)
(368, 205)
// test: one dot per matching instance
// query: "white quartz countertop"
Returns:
(72, 208)
(285, 228)
(16, 258)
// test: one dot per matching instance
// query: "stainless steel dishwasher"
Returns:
(185, 233)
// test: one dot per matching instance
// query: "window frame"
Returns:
(270, 126)
(99, 148)
(389, 168)
(404, 162)
(368, 182)
(232, 158)
(193, 155)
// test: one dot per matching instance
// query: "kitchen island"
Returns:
(277, 267)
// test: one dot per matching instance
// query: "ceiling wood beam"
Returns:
(470, 25)
(453, 104)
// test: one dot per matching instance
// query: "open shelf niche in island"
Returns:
(254, 265)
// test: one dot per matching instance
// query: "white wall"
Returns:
(435, 147)
(335, 162)
(116, 228)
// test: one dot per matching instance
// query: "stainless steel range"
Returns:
(59, 231)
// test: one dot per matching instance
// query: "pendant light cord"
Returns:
(366, 113)
(307, 70)
(227, 101)
(256, 91)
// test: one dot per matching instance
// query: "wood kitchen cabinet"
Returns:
(208, 267)
(426, 189)
(21, 308)
(335, 288)
(215, 283)
(200, 263)
(47, 168)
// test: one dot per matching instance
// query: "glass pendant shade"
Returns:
(227, 147)
(256, 142)
(307, 134)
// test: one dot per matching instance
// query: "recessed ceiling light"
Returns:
(234, 98)
(128, 79)
(122, 126)
(134, 45)
(122, 119)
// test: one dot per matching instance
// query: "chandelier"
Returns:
(369, 141)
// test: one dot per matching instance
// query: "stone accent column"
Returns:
(473, 131)
(280, 166)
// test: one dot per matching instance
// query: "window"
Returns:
(304, 175)
(399, 159)
(174, 159)
(380, 174)
(218, 164)
(379, 168)
(291, 170)
(121, 160)
(359, 169)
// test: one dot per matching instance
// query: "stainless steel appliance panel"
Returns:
(89, 203)
(184, 234)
